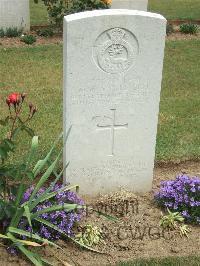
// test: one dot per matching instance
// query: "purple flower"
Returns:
(63, 219)
(11, 250)
(181, 194)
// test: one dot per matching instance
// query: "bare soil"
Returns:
(136, 234)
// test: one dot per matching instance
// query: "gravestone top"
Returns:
(112, 12)
(112, 81)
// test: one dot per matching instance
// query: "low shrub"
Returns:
(2, 33)
(169, 29)
(189, 28)
(13, 32)
(57, 9)
(28, 39)
(181, 195)
(45, 32)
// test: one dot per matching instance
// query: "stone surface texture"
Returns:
(15, 13)
(113, 62)
(130, 4)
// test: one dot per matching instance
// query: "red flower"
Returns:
(13, 98)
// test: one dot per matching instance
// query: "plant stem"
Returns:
(17, 112)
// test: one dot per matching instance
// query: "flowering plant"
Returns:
(40, 213)
(181, 195)
(63, 219)
(11, 175)
(15, 123)
(33, 215)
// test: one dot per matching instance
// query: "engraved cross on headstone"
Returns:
(112, 127)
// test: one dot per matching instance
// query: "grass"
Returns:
(171, 9)
(38, 71)
(176, 9)
(38, 13)
(178, 261)
(179, 119)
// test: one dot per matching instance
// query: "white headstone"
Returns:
(15, 13)
(130, 4)
(113, 63)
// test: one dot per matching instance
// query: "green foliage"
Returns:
(90, 235)
(13, 32)
(57, 9)
(28, 39)
(189, 28)
(47, 32)
(169, 29)
(170, 220)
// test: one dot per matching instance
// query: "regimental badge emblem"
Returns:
(115, 50)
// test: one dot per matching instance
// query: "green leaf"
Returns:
(29, 243)
(30, 175)
(4, 237)
(34, 147)
(44, 178)
(20, 192)
(66, 206)
(16, 131)
(30, 255)
(28, 215)
(3, 153)
(109, 217)
(29, 131)
(32, 236)
(46, 196)
(9, 144)
(42, 163)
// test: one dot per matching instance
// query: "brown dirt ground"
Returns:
(136, 234)
(57, 39)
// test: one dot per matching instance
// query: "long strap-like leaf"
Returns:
(66, 207)
(30, 255)
(44, 177)
(34, 147)
(32, 236)
(42, 163)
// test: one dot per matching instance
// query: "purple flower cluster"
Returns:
(62, 219)
(182, 195)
